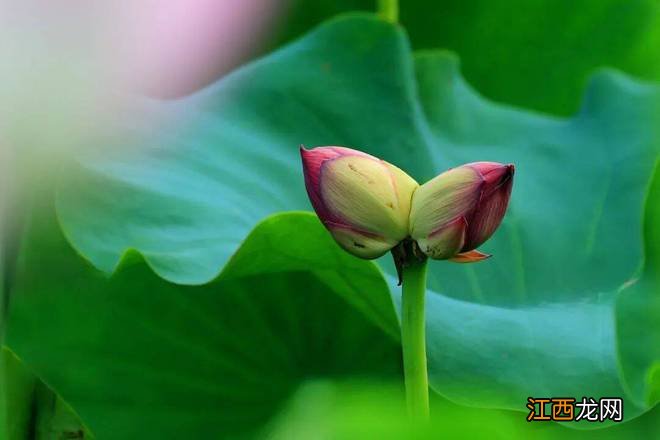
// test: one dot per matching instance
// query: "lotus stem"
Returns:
(389, 10)
(413, 339)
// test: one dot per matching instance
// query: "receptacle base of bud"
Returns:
(405, 254)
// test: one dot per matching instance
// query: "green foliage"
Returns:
(536, 54)
(192, 349)
(139, 357)
(358, 410)
(638, 312)
(29, 409)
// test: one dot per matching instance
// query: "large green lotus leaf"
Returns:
(638, 312)
(29, 409)
(142, 358)
(540, 53)
(537, 54)
(220, 360)
(536, 319)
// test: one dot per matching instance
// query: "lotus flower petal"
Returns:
(362, 200)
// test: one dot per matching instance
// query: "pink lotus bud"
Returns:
(460, 209)
(362, 200)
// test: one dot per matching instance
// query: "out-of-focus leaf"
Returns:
(142, 358)
(350, 410)
(638, 312)
(537, 54)
(540, 54)
(29, 409)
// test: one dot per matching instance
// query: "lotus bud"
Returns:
(363, 201)
(454, 213)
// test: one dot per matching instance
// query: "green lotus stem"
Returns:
(413, 339)
(389, 10)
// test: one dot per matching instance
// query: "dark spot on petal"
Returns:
(363, 175)
(359, 245)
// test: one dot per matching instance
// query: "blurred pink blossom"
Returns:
(72, 68)
(177, 46)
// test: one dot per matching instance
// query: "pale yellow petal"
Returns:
(443, 199)
(360, 245)
(368, 194)
(445, 242)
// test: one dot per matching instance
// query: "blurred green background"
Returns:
(536, 54)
